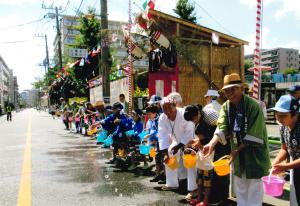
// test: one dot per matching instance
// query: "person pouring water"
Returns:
(241, 121)
(174, 132)
(286, 113)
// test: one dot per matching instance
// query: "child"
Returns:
(152, 125)
(204, 132)
(287, 115)
(135, 141)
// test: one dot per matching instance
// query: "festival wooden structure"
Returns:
(202, 64)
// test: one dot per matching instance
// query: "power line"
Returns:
(13, 42)
(215, 20)
(31, 22)
(77, 12)
(66, 7)
(52, 3)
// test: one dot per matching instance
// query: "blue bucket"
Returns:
(108, 141)
(143, 134)
(129, 133)
(102, 136)
(144, 149)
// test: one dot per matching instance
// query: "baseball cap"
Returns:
(108, 108)
(286, 103)
(138, 112)
(154, 99)
(294, 88)
(212, 92)
(117, 105)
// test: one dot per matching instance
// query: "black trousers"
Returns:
(9, 116)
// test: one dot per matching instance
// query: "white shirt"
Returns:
(213, 105)
(183, 130)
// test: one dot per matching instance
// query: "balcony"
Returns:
(275, 78)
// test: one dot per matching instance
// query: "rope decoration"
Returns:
(257, 70)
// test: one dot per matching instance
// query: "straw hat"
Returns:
(232, 80)
(98, 104)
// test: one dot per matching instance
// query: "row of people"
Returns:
(237, 129)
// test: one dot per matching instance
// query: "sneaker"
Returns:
(191, 195)
(201, 204)
(166, 188)
(194, 202)
(161, 182)
(112, 161)
(146, 166)
(132, 167)
(156, 178)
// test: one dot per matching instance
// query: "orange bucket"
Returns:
(152, 152)
(189, 160)
(121, 152)
(222, 166)
(172, 163)
(89, 133)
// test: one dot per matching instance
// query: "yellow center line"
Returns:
(24, 198)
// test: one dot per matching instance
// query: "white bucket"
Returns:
(205, 163)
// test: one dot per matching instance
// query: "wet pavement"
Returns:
(70, 169)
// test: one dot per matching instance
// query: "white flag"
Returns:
(215, 38)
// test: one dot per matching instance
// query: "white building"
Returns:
(6, 84)
(279, 58)
(68, 35)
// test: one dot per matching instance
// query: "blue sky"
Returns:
(281, 26)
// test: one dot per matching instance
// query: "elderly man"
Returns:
(174, 132)
(242, 120)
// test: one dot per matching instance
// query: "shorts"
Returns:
(204, 177)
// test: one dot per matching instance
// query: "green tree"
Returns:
(185, 10)
(89, 27)
(248, 64)
(290, 70)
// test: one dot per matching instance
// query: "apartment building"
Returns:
(279, 58)
(6, 83)
(68, 35)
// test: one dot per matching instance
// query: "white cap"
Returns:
(212, 92)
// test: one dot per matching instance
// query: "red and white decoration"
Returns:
(130, 93)
(257, 70)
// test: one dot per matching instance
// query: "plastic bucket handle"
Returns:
(224, 157)
(189, 149)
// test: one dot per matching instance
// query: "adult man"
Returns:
(124, 103)
(242, 120)
(177, 97)
(211, 100)
(174, 132)
(8, 112)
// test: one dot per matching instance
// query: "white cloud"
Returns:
(293, 44)
(289, 6)
(266, 43)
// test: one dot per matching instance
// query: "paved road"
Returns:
(43, 164)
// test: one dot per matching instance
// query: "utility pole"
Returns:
(58, 33)
(59, 39)
(47, 63)
(104, 52)
(47, 53)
